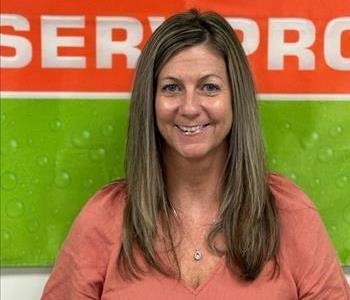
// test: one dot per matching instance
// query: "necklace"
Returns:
(197, 255)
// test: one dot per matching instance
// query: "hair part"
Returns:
(248, 217)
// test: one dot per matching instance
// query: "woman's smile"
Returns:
(191, 130)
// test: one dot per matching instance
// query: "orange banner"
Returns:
(293, 46)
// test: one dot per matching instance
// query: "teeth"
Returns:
(190, 129)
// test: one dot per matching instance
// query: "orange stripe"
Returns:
(35, 77)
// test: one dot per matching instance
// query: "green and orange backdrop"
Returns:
(66, 75)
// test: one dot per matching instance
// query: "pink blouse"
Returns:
(86, 266)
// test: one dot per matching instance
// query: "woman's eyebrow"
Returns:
(201, 79)
(210, 75)
(170, 78)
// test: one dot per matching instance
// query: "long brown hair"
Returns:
(248, 218)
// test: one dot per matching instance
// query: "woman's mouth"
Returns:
(191, 129)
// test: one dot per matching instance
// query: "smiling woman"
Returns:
(198, 214)
(193, 104)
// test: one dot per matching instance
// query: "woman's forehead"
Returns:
(198, 61)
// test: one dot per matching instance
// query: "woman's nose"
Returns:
(190, 104)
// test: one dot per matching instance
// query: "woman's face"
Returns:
(193, 103)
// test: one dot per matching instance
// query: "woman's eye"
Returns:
(171, 88)
(211, 87)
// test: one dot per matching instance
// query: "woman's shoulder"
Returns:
(109, 200)
(80, 268)
(288, 196)
(305, 248)
(102, 214)
(99, 222)
(298, 215)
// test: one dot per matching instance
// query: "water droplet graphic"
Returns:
(342, 181)
(56, 125)
(89, 182)
(274, 161)
(97, 154)
(33, 226)
(62, 179)
(107, 130)
(335, 131)
(9, 181)
(325, 154)
(42, 160)
(310, 140)
(13, 144)
(293, 176)
(306, 143)
(30, 141)
(285, 127)
(14, 208)
(315, 182)
(6, 238)
(81, 139)
(314, 136)
(56, 211)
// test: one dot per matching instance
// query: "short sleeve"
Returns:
(306, 246)
(80, 268)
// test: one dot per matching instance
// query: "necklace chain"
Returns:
(197, 255)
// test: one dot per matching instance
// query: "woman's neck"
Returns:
(194, 186)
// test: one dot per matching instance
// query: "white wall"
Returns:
(23, 283)
(27, 283)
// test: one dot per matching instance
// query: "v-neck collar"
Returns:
(196, 291)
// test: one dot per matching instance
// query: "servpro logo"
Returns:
(91, 52)
(106, 47)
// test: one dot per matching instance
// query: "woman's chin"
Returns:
(194, 153)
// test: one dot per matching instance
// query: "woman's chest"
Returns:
(197, 264)
(220, 284)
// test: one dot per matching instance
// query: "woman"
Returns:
(197, 215)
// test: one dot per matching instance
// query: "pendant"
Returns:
(197, 255)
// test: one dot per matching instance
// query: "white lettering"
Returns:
(251, 35)
(155, 22)
(50, 42)
(332, 44)
(106, 47)
(22, 46)
(278, 48)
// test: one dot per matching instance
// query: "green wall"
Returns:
(56, 153)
